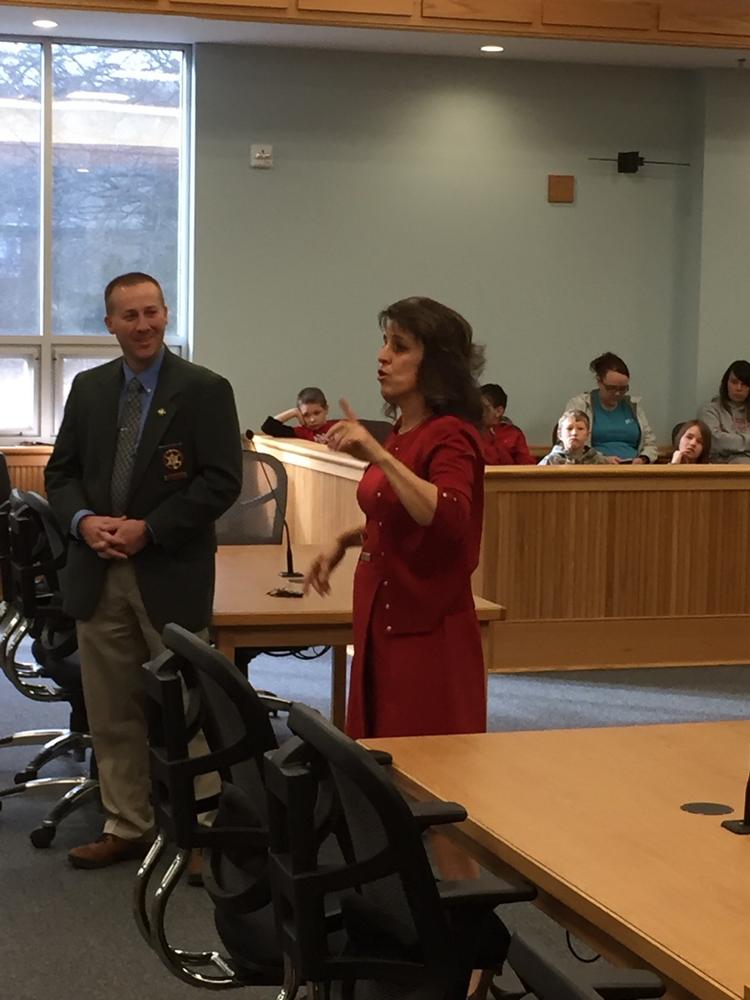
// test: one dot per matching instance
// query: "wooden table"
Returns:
(245, 615)
(593, 818)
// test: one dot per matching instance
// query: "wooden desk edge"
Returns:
(619, 942)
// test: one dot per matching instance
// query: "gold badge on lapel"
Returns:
(173, 461)
(161, 412)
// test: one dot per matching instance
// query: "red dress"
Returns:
(418, 666)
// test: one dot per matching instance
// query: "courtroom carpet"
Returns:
(70, 935)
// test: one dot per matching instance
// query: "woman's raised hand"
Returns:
(351, 436)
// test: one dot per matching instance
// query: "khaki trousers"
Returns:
(114, 644)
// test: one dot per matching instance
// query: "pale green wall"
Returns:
(419, 175)
(725, 265)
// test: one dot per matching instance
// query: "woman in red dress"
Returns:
(418, 666)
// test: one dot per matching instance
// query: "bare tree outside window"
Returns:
(116, 158)
(20, 183)
(116, 132)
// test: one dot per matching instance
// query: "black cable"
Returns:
(574, 953)
(300, 653)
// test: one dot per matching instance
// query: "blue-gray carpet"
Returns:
(69, 935)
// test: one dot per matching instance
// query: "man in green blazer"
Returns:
(147, 458)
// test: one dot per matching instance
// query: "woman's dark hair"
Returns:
(608, 362)
(451, 363)
(705, 455)
(312, 394)
(740, 370)
(495, 393)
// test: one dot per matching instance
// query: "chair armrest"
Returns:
(381, 757)
(436, 813)
(629, 984)
(484, 891)
(273, 703)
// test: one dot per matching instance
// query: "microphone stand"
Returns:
(289, 573)
(741, 826)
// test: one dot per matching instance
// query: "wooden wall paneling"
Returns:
(607, 643)
(639, 15)
(510, 11)
(402, 7)
(708, 17)
(249, 4)
(26, 465)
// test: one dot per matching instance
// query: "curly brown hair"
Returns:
(451, 363)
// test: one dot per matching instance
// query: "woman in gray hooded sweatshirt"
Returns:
(728, 416)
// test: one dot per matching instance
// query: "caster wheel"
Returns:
(27, 775)
(42, 836)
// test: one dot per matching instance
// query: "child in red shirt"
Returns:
(505, 433)
(311, 411)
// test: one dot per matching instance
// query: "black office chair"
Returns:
(404, 933)
(31, 575)
(257, 515)
(257, 518)
(541, 978)
(238, 731)
(381, 430)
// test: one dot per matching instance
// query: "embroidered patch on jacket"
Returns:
(173, 461)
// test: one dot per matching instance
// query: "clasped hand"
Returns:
(113, 537)
(351, 436)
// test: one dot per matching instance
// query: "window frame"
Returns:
(48, 388)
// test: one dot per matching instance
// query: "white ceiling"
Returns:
(168, 28)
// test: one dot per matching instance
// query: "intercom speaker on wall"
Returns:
(261, 156)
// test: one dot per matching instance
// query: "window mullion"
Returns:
(46, 362)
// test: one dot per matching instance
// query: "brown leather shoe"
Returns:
(195, 868)
(107, 850)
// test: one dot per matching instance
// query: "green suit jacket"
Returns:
(187, 472)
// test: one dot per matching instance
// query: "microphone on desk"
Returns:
(289, 573)
(741, 826)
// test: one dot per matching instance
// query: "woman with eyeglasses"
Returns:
(619, 427)
(728, 416)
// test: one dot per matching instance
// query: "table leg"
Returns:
(338, 686)
(224, 644)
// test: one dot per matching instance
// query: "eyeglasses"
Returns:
(619, 389)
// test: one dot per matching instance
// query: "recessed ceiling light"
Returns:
(43, 23)
(491, 48)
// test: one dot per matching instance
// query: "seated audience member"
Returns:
(494, 452)
(727, 416)
(505, 432)
(619, 428)
(312, 413)
(571, 449)
(692, 443)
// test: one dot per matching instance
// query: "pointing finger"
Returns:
(347, 410)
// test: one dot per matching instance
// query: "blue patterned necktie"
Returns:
(127, 444)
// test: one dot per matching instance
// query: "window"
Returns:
(93, 166)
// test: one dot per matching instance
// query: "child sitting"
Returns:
(571, 449)
(312, 413)
(692, 443)
(494, 452)
(504, 432)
